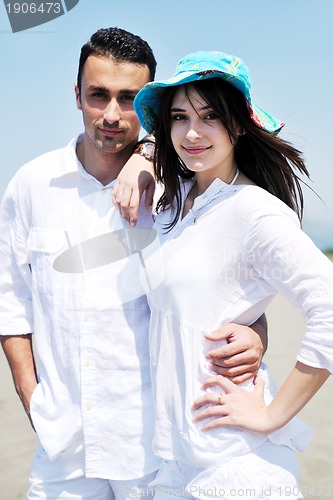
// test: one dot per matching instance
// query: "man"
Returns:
(64, 277)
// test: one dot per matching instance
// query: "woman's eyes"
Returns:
(177, 118)
(209, 117)
(212, 116)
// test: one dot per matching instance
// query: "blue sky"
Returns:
(286, 43)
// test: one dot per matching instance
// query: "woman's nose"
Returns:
(193, 134)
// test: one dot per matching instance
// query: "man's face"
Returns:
(106, 99)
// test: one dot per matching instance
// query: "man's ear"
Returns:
(77, 96)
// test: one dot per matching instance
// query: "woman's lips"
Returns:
(196, 150)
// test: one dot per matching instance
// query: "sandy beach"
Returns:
(286, 325)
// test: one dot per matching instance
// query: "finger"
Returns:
(239, 379)
(133, 210)
(115, 190)
(234, 348)
(259, 386)
(221, 333)
(150, 196)
(228, 357)
(116, 199)
(207, 398)
(234, 371)
(224, 421)
(123, 196)
(221, 382)
(123, 199)
(234, 366)
(209, 412)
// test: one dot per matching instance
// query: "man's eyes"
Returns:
(104, 95)
(128, 97)
(99, 95)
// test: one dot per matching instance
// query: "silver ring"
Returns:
(219, 399)
(120, 192)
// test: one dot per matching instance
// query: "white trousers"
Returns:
(63, 478)
(268, 472)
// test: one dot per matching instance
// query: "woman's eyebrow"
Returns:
(203, 108)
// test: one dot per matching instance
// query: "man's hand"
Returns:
(240, 358)
(18, 351)
(136, 176)
(25, 392)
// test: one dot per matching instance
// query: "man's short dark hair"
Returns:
(122, 45)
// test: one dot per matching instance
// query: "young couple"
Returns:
(225, 223)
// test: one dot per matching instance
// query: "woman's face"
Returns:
(199, 137)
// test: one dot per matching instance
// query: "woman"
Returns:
(229, 236)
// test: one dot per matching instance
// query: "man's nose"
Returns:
(112, 112)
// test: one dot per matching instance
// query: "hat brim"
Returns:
(147, 102)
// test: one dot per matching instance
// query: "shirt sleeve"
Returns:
(16, 317)
(286, 258)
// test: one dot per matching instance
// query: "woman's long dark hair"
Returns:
(266, 159)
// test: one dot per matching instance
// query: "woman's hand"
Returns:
(241, 408)
(236, 407)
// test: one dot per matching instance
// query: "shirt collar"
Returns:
(213, 190)
(78, 167)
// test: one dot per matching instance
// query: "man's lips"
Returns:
(110, 132)
(196, 150)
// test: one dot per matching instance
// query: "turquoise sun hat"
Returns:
(200, 66)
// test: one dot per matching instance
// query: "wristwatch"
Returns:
(146, 149)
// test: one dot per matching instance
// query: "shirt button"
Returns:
(39, 245)
(85, 317)
(87, 364)
(88, 407)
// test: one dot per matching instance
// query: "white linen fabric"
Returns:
(89, 316)
(64, 478)
(224, 262)
(268, 472)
